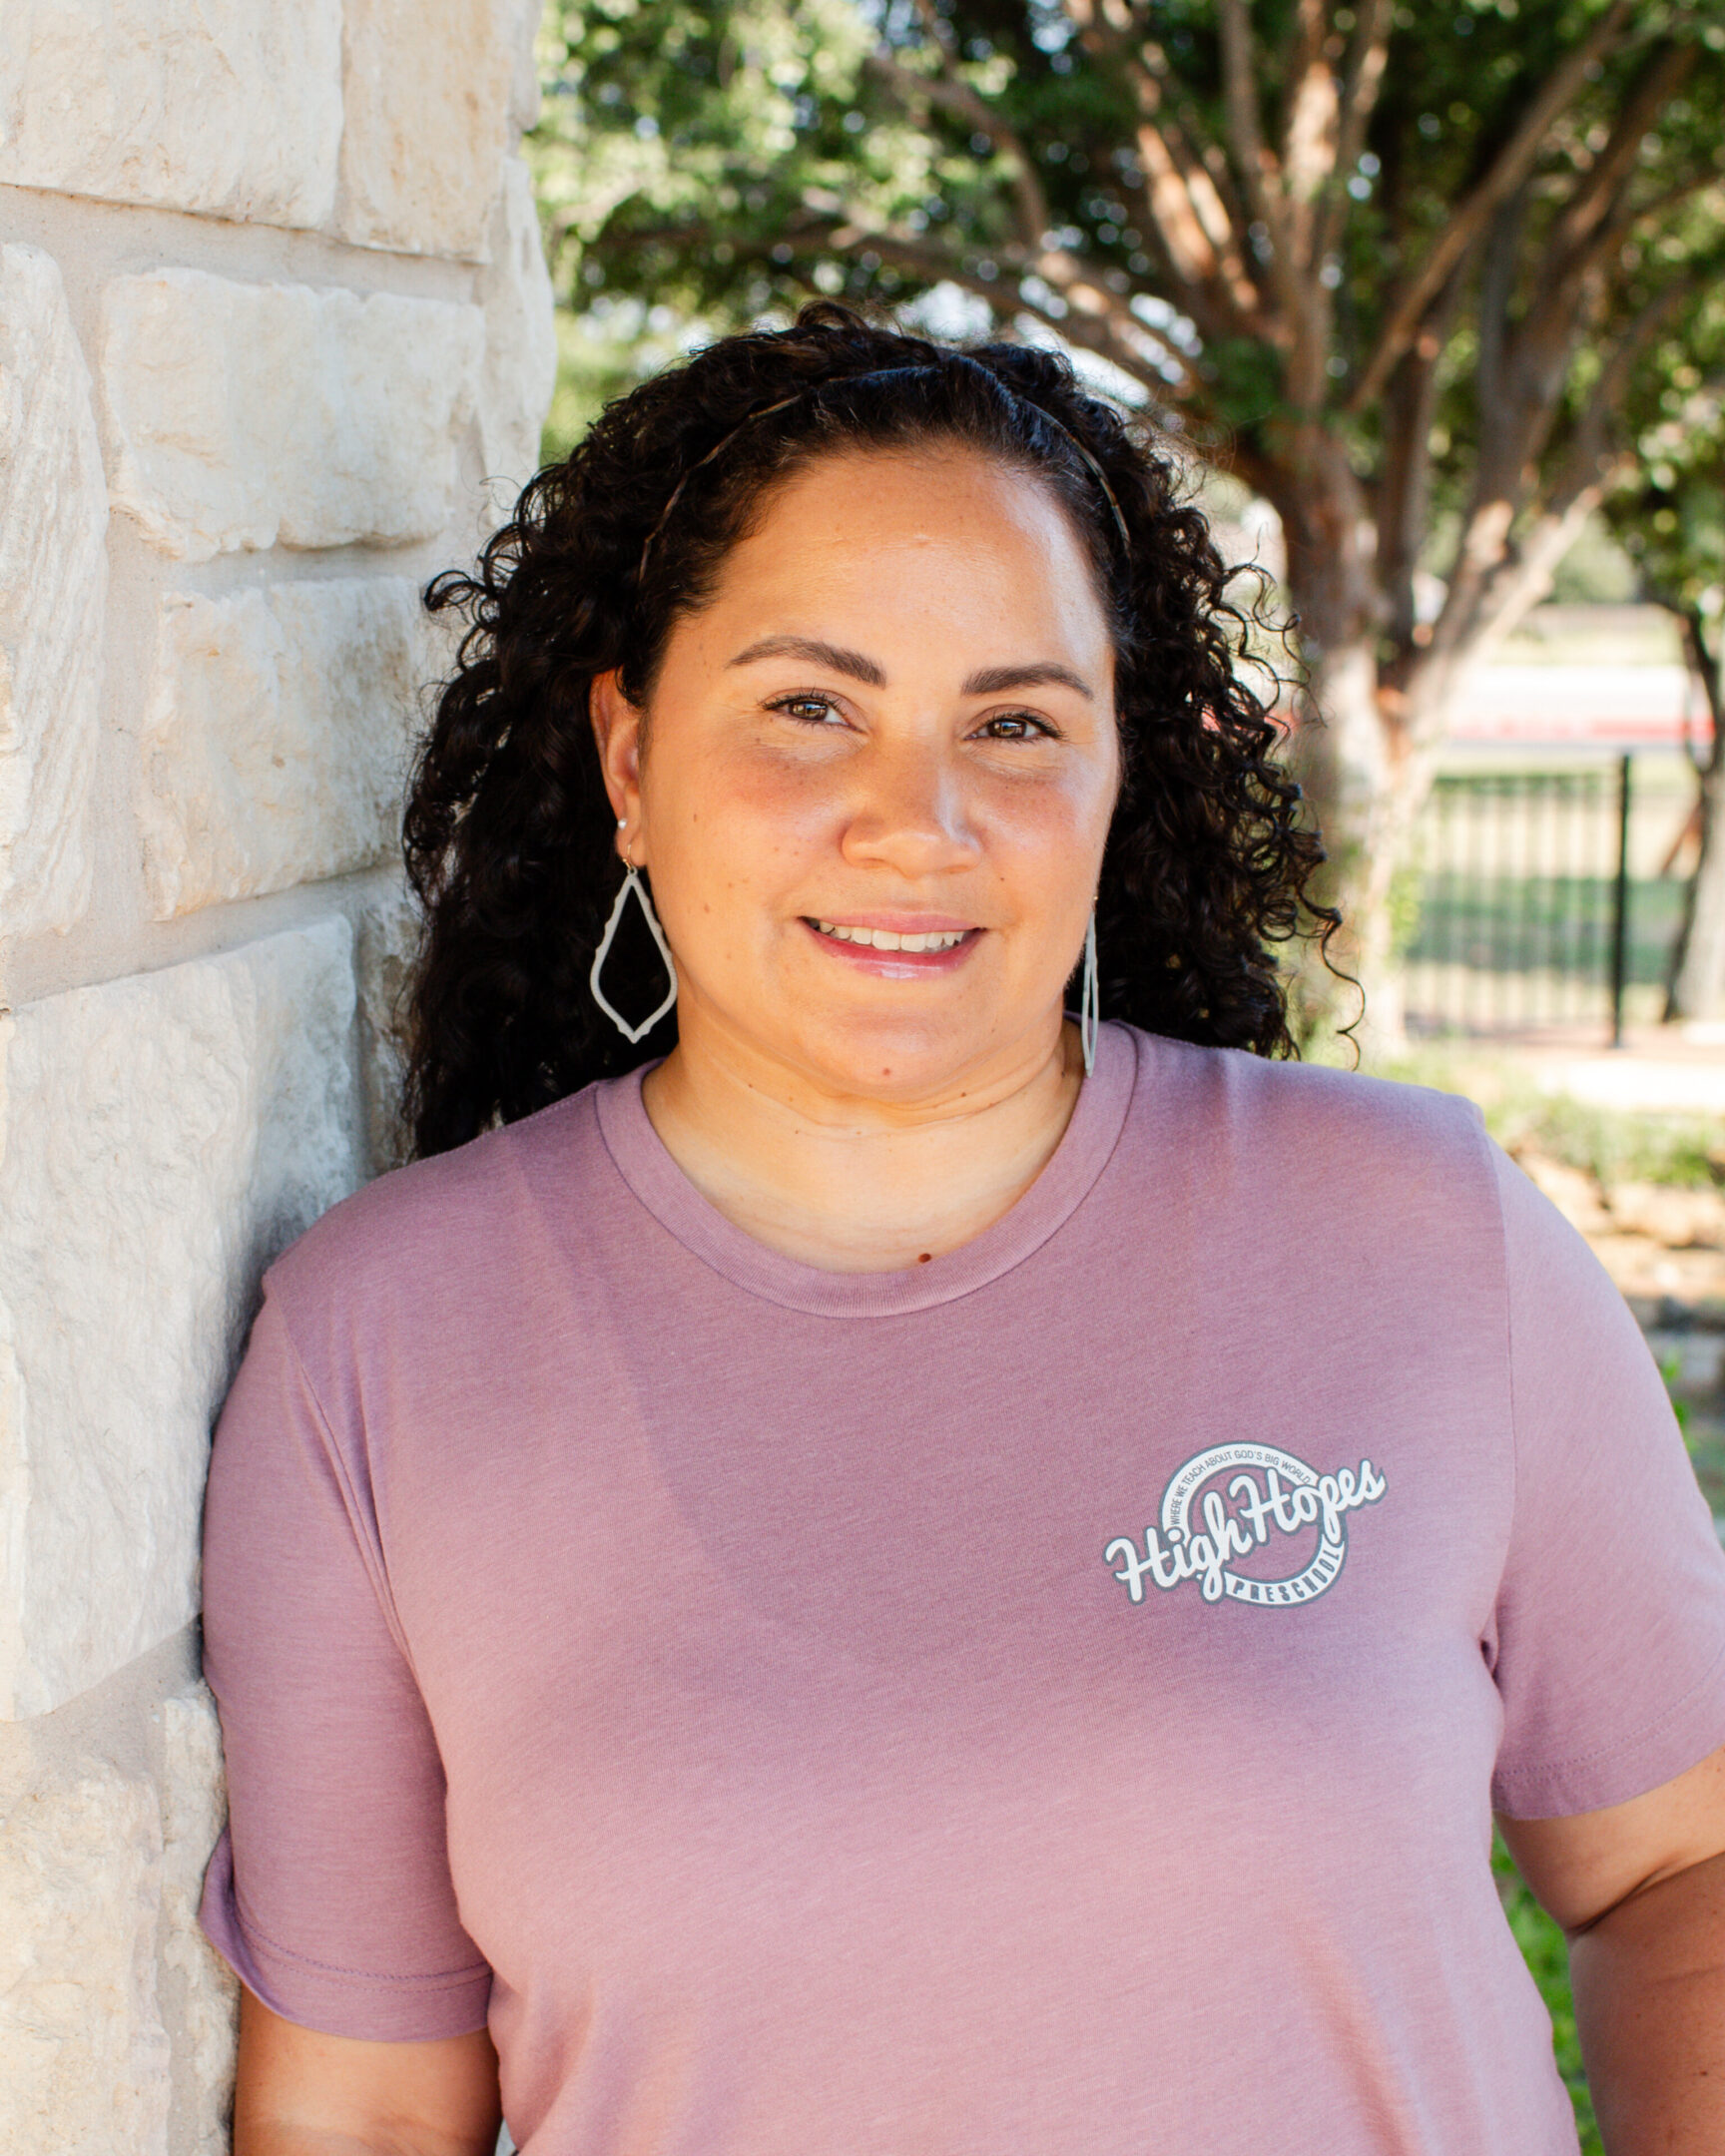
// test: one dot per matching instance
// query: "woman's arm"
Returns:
(303, 2094)
(1640, 1890)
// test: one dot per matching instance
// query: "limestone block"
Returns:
(525, 99)
(84, 2065)
(520, 367)
(53, 592)
(247, 415)
(429, 94)
(193, 1809)
(160, 1139)
(275, 740)
(221, 106)
(388, 939)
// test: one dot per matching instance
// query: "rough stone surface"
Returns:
(163, 1136)
(247, 415)
(119, 2022)
(164, 1133)
(275, 740)
(428, 121)
(53, 590)
(388, 938)
(520, 367)
(221, 106)
(203, 1989)
(83, 2051)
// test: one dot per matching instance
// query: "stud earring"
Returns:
(631, 883)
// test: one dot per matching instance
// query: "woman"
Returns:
(907, 1573)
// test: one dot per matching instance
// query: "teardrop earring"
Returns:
(1089, 999)
(631, 883)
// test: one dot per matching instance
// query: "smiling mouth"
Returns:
(889, 940)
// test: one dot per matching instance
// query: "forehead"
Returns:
(943, 540)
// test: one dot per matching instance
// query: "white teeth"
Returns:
(890, 940)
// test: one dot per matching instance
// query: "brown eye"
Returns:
(813, 710)
(1014, 727)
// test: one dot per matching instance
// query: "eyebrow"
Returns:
(812, 648)
(990, 681)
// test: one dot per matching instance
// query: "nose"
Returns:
(909, 813)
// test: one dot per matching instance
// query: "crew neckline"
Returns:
(641, 1158)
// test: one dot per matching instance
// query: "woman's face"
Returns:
(876, 776)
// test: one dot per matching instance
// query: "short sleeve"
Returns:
(1610, 1618)
(330, 1892)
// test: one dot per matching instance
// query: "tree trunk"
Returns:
(1350, 752)
(1698, 969)
(1698, 983)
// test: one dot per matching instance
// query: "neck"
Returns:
(857, 1185)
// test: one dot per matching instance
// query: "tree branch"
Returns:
(1260, 177)
(1614, 167)
(952, 92)
(1595, 223)
(1313, 130)
(1489, 596)
(1506, 173)
(1199, 234)
(1401, 512)
(1099, 320)
(1500, 251)
(1239, 103)
(1363, 80)
(1706, 670)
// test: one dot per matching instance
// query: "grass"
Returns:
(1547, 1957)
(1610, 1143)
(1613, 1145)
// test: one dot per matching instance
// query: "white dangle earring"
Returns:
(1089, 999)
(631, 883)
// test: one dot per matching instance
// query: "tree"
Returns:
(1667, 506)
(1394, 263)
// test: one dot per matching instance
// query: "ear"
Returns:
(617, 732)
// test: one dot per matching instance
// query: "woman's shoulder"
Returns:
(1317, 1119)
(444, 1220)
(1320, 1094)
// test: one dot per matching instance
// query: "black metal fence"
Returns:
(1540, 899)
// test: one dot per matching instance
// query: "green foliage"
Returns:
(722, 161)
(1610, 1143)
(677, 142)
(1406, 889)
(1240, 250)
(1671, 1370)
(1596, 571)
(1547, 1957)
(1613, 1145)
(1667, 504)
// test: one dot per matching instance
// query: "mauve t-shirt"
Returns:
(1048, 1699)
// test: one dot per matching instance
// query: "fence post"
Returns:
(1620, 903)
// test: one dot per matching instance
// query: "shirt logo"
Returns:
(1287, 1503)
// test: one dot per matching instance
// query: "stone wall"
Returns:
(274, 345)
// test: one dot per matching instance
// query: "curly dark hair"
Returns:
(509, 835)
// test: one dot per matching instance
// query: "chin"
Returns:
(894, 1061)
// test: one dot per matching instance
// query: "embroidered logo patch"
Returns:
(1235, 1502)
